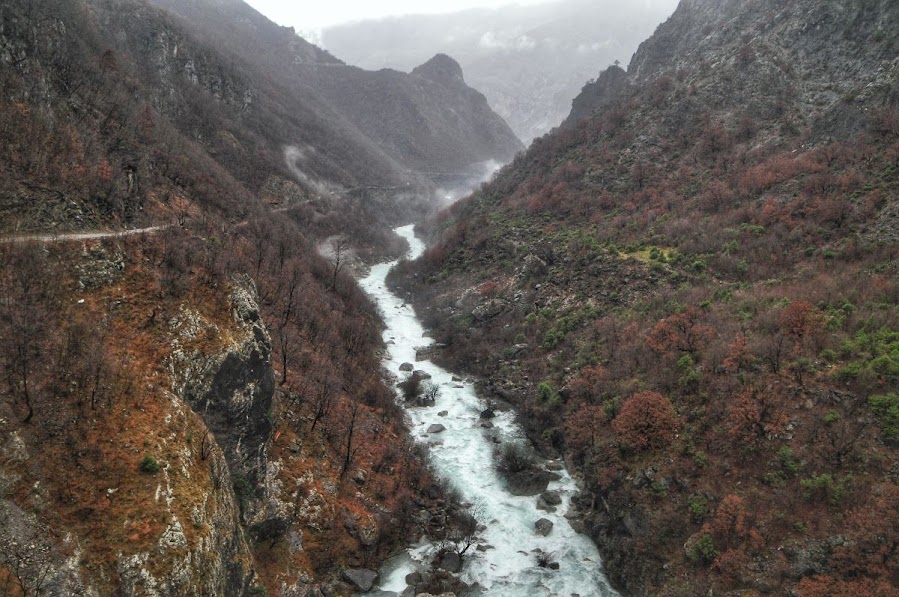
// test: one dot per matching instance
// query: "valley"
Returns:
(272, 324)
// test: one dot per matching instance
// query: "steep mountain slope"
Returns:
(418, 123)
(195, 408)
(530, 61)
(691, 292)
(265, 105)
(114, 113)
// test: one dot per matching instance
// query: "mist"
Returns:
(529, 61)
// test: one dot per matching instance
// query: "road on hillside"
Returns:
(74, 236)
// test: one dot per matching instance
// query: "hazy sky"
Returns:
(306, 15)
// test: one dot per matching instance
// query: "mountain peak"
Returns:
(441, 68)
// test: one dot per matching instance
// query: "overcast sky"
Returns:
(312, 15)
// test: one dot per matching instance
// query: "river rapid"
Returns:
(462, 455)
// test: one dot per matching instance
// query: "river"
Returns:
(462, 455)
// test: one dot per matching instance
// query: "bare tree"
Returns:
(339, 249)
(430, 392)
(26, 312)
(322, 402)
(463, 532)
(349, 453)
(206, 445)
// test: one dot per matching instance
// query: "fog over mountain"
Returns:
(530, 61)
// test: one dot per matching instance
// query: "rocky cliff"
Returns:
(821, 66)
(232, 391)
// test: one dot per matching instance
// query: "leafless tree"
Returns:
(339, 248)
(323, 397)
(349, 452)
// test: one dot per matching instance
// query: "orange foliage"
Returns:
(800, 321)
(738, 355)
(646, 421)
(589, 382)
(582, 429)
(730, 522)
(753, 415)
(683, 332)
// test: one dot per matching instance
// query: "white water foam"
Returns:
(463, 456)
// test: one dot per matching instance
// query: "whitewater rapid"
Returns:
(462, 455)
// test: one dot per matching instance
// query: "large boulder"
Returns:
(551, 498)
(530, 483)
(361, 578)
(544, 526)
(231, 390)
(450, 561)
(436, 428)
(488, 310)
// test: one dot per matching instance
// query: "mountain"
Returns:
(265, 105)
(191, 400)
(415, 122)
(530, 61)
(689, 290)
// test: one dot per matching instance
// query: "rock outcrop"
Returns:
(232, 390)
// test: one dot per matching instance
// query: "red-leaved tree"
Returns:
(647, 421)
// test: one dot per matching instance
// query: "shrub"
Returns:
(886, 410)
(488, 288)
(514, 458)
(149, 465)
(647, 420)
(703, 550)
(787, 462)
(411, 387)
(825, 486)
(548, 394)
(699, 508)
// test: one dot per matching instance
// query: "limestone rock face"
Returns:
(220, 561)
(232, 391)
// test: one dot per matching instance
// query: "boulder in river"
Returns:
(551, 498)
(436, 428)
(544, 526)
(450, 561)
(421, 375)
(487, 413)
(530, 482)
(407, 367)
(361, 578)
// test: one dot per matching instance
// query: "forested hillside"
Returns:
(196, 407)
(691, 290)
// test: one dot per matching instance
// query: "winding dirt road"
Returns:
(76, 236)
